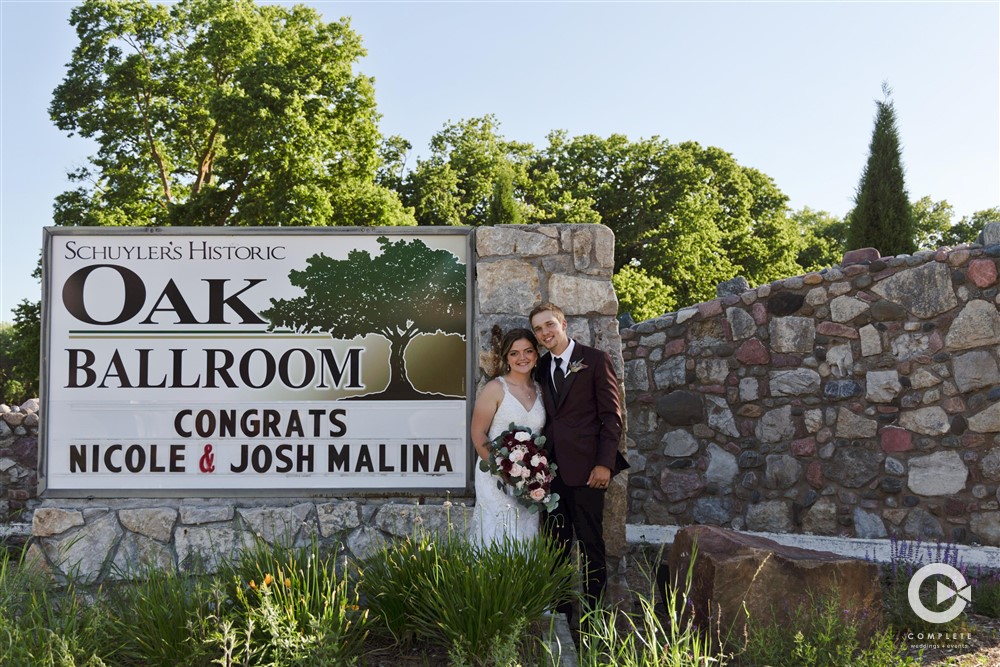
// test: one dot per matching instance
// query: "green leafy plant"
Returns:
(43, 626)
(905, 558)
(291, 607)
(825, 636)
(653, 636)
(986, 593)
(160, 617)
(461, 596)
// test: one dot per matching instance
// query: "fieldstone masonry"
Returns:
(860, 401)
(517, 268)
(18, 460)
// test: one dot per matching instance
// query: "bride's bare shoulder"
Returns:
(492, 389)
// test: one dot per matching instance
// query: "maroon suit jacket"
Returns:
(583, 428)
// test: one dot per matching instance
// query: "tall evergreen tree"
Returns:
(882, 217)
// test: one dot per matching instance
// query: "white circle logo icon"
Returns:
(959, 589)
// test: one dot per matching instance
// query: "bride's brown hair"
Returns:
(500, 344)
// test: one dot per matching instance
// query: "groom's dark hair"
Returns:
(551, 307)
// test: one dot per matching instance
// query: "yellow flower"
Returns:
(288, 582)
(268, 579)
(253, 584)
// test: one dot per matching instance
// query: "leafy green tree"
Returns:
(687, 216)
(456, 184)
(393, 152)
(967, 229)
(822, 239)
(503, 209)
(690, 216)
(220, 112)
(936, 228)
(641, 295)
(20, 343)
(406, 290)
(882, 217)
(931, 220)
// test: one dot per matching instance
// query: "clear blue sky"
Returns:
(786, 87)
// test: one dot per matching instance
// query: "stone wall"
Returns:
(859, 401)
(18, 460)
(518, 267)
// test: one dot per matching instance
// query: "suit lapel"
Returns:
(548, 391)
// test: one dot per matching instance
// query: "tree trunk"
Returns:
(399, 385)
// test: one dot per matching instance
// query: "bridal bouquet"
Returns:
(518, 459)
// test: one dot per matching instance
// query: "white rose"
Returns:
(538, 460)
(517, 470)
(522, 436)
(517, 454)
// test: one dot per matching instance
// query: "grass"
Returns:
(646, 637)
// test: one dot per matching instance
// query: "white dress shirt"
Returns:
(566, 354)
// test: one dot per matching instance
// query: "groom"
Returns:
(583, 428)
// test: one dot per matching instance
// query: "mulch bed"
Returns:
(980, 649)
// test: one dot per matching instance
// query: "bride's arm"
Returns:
(482, 416)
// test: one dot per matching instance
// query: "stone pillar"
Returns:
(521, 266)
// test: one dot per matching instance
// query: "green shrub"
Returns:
(42, 626)
(290, 608)
(466, 598)
(825, 636)
(986, 594)
(160, 617)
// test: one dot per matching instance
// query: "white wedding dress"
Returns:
(498, 514)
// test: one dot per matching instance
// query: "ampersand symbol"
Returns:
(207, 461)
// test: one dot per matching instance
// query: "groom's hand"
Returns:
(600, 476)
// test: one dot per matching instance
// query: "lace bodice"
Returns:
(511, 410)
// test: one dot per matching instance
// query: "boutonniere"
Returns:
(576, 366)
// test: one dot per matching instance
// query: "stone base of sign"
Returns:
(95, 540)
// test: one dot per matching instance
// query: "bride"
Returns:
(513, 396)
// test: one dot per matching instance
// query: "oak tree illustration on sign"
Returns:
(407, 290)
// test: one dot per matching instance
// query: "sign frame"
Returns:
(51, 234)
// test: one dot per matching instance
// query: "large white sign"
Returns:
(301, 360)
